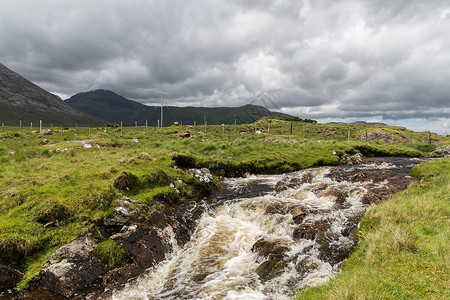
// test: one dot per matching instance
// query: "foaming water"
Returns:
(223, 259)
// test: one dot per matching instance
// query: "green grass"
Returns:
(50, 197)
(111, 254)
(403, 252)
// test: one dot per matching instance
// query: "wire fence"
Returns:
(262, 128)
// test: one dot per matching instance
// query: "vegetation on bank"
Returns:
(403, 250)
(52, 193)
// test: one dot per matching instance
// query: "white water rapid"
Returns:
(221, 260)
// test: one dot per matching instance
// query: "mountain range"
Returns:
(23, 100)
(109, 106)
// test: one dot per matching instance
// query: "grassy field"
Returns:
(53, 193)
(403, 251)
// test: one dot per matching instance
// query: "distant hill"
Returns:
(21, 99)
(114, 108)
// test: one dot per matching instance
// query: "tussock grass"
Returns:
(404, 251)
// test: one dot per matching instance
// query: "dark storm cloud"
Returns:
(322, 58)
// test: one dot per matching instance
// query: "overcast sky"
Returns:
(329, 60)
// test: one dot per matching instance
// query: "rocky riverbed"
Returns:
(258, 236)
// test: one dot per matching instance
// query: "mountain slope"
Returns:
(23, 100)
(114, 108)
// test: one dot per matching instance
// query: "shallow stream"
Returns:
(267, 236)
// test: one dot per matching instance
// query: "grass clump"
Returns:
(111, 254)
(403, 251)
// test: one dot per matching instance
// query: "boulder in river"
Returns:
(273, 256)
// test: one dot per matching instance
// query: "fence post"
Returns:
(348, 139)
(268, 130)
(146, 126)
(121, 127)
(234, 122)
(77, 128)
(324, 134)
(304, 131)
(3, 127)
(20, 125)
(429, 138)
(158, 124)
(135, 124)
(62, 132)
(291, 128)
(195, 123)
(40, 126)
(366, 134)
(31, 127)
(223, 129)
(206, 127)
(181, 123)
(51, 127)
(410, 138)
(89, 129)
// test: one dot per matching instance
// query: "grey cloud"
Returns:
(323, 58)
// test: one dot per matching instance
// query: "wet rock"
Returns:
(376, 196)
(203, 175)
(354, 159)
(72, 268)
(144, 247)
(310, 231)
(339, 195)
(270, 269)
(269, 249)
(120, 276)
(125, 213)
(274, 258)
(9, 277)
(293, 182)
(298, 214)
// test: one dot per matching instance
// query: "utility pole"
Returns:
(162, 94)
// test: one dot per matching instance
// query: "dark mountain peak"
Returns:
(20, 99)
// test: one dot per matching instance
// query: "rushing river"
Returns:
(267, 236)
